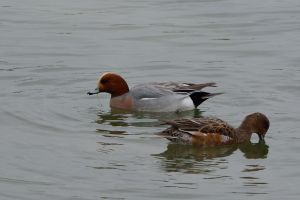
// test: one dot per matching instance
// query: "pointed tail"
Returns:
(199, 97)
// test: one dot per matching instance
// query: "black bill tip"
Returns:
(96, 91)
(261, 138)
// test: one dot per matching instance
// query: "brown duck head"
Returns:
(256, 123)
(111, 83)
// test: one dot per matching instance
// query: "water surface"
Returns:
(58, 143)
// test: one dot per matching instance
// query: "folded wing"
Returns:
(204, 131)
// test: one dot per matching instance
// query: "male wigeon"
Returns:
(214, 132)
(152, 97)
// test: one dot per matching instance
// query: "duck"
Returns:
(154, 96)
(207, 131)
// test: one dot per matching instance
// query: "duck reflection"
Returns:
(192, 159)
(118, 122)
(254, 150)
(117, 117)
(113, 118)
(195, 159)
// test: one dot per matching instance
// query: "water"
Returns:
(58, 143)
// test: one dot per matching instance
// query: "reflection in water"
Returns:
(118, 122)
(112, 118)
(250, 179)
(195, 159)
(112, 133)
(253, 168)
(254, 150)
(192, 159)
(117, 117)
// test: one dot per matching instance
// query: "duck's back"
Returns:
(153, 97)
(200, 131)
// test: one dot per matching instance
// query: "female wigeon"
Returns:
(215, 132)
(152, 97)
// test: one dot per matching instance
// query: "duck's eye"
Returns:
(103, 81)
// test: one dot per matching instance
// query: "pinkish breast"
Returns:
(122, 102)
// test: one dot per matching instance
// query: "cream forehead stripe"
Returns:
(104, 74)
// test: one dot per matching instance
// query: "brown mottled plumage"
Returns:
(214, 132)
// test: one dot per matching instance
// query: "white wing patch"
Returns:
(143, 99)
(187, 103)
(225, 138)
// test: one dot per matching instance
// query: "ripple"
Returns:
(51, 52)
(180, 187)
(112, 133)
(250, 193)
(33, 122)
(253, 168)
(217, 177)
(22, 182)
(109, 143)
